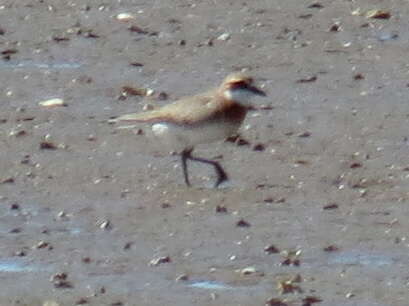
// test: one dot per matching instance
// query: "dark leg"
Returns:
(221, 174)
(185, 155)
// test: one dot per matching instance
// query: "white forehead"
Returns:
(237, 77)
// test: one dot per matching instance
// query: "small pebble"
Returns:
(307, 79)
(91, 137)
(271, 249)
(316, 5)
(221, 209)
(331, 248)
(242, 223)
(14, 206)
(242, 142)
(139, 132)
(147, 107)
(355, 165)
(330, 206)
(162, 96)
(136, 64)
(81, 301)
(9, 180)
(304, 135)
(128, 246)
(358, 77)
(46, 145)
(309, 300)
(335, 27)
(60, 281)
(275, 302)
(288, 286)
(259, 147)
(138, 30)
(21, 253)
(15, 230)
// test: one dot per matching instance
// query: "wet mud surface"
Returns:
(316, 211)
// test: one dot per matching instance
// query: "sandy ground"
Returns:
(93, 215)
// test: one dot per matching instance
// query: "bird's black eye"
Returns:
(239, 84)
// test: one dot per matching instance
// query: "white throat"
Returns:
(241, 96)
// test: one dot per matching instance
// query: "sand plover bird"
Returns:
(203, 118)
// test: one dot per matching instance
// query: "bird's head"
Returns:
(239, 87)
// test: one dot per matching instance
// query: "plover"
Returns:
(203, 118)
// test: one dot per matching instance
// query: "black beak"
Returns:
(256, 90)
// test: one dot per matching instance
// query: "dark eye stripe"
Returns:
(240, 84)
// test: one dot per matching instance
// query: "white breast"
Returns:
(180, 137)
(241, 96)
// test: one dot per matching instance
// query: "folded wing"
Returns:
(183, 111)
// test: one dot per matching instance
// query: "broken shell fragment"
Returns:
(52, 102)
(378, 14)
(106, 225)
(125, 17)
(250, 271)
(132, 91)
(224, 37)
(160, 260)
(182, 277)
(149, 92)
(41, 245)
(356, 12)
